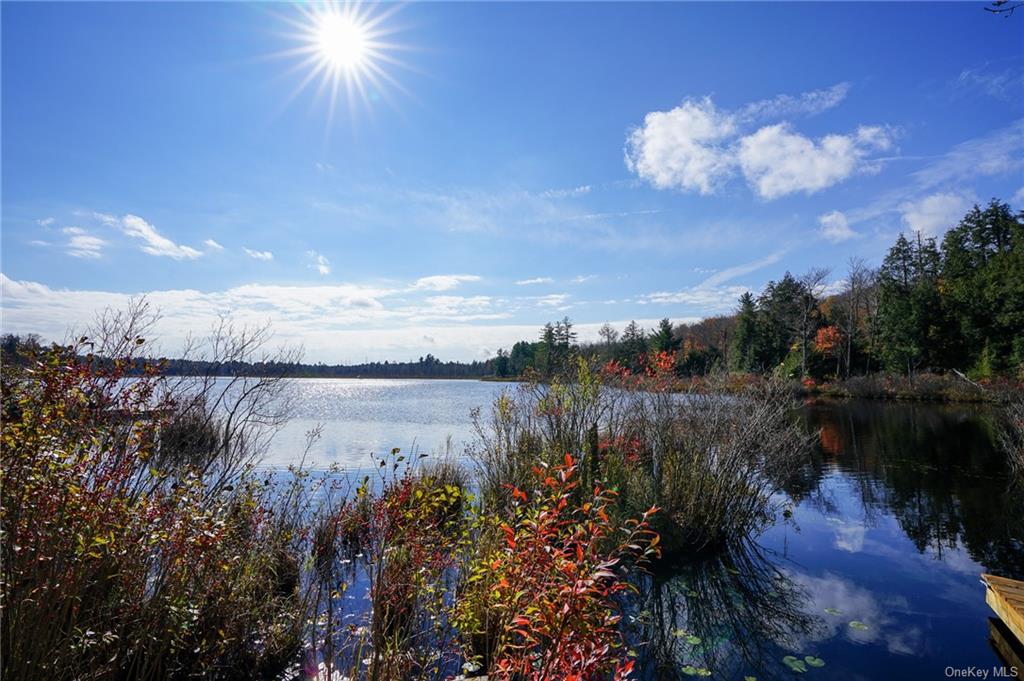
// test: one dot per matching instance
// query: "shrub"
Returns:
(543, 597)
(115, 568)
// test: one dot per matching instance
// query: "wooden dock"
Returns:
(1006, 598)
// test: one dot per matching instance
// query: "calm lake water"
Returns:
(888, 528)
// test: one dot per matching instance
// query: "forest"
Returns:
(931, 307)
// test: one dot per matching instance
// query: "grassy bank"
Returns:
(925, 387)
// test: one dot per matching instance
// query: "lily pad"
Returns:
(859, 626)
(814, 661)
(833, 611)
(795, 664)
(693, 640)
(690, 670)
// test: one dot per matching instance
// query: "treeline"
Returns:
(15, 350)
(954, 305)
(426, 367)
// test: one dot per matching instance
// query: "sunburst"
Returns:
(345, 49)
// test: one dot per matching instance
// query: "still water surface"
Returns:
(888, 527)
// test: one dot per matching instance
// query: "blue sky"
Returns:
(517, 163)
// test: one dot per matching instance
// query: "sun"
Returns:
(341, 40)
(346, 50)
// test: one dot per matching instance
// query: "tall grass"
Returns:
(711, 461)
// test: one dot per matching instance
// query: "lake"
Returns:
(871, 569)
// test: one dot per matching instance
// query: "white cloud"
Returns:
(320, 263)
(932, 215)
(73, 230)
(697, 147)
(536, 280)
(556, 300)
(45, 222)
(85, 246)
(1017, 199)
(258, 255)
(213, 245)
(835, 227)
(154, 242)
(580, 278)
(39, 242)
(777, 161)
(683, 148)
(443, 282)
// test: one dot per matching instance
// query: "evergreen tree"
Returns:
(745, 340)
(632, 347)
(663, 340)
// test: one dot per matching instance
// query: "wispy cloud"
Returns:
(556, 300)
(567, 193)
(731, 273)
(804, 104)
(999, 152)
(707, 299)
(265, 256)
(697, 147)
(1005, 83)
(46, 222)
(85, 246)
(154, 243)
(81, 244)
(535, 280)
(443, 282)
(714, 295)
(213, 245)
(320, 263)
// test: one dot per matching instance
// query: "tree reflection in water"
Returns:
(731, 614)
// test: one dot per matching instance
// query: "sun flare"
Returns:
(344, 48)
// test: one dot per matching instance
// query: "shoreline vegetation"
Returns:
(139, 540)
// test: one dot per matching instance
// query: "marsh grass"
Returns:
(711, 461)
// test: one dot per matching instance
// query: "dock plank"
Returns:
(1002, 640)
(1006, 598)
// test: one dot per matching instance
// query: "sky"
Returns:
(446, 177)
